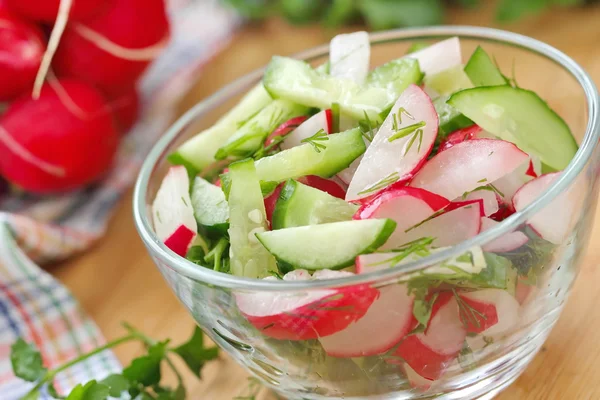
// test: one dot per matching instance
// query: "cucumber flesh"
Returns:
(450, 118)
(250, 136)
(247, 217)
(296, 81)
(200, 150)
(448, 81)
(210, 207)
(482, 71)
(326, 246)
(522, 117)
(340, 150)
(395, 75)
(301, 205)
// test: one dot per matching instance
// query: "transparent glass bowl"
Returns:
(301, 368)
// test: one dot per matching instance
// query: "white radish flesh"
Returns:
(349, 56)
(488, 197)
(386, 322)
(469, 165)
(439, 56)
(507, 242)
(497, 312)
(319, 121)
(172, 212)
(400, 147)
(509, 184)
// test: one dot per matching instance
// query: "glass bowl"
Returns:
(487, 362)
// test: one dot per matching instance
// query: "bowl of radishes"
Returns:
(367, 221)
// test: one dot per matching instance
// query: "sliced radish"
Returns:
(326, 185)
(429, 353)
(471, 132)
(439, 56)
(306, 314)
(415, 380)
(271, 200)
(407, 206)
(494, 311)
(524, 291)
(453, 226)
(468, 165)
(285, 128)
(306, 129)
(509, 184)
(508, 242)
(172, 211)
(555, 221)
(399, 148)
(488, 198)
(386, 322)
(349, 56)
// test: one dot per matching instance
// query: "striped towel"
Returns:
(33, 230)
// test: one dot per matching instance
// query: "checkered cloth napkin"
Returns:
(33, 305)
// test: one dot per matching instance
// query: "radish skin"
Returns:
(61, 151)
(113, 49)
(22, 48)
(508, 242)
(126, 108)
(47, 10)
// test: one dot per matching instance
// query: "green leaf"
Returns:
(117, 384)
(495, 273)
(168, 394)
(90, 391)
(389, 14)
(146, 369)
(195, 354)
(196, 255)
(52, 391)
(422, 308)
(511, 10)
(31, 396)
(26, 361)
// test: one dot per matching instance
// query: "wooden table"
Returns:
(117, 281)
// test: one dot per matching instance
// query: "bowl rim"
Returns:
(185, 267)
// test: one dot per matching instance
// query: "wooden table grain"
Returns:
(116, 280)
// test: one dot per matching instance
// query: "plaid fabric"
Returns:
(34, 230)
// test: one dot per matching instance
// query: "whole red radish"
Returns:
(125, 106)
(22, 46)
(63, 140)
(47, 10)
(112, 50)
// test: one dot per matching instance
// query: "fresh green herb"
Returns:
(432, 216)
(489, 187)
(420, 246)
(532, 258)
(406, 131)
(315, 140)
(383, 183)
(468, 314)
(216, 254)
(482, 180)
(184, 202)
(335, 118)
(465, 357)
(140, 378)
(422, 307)
(368, 128)
(158, 216)
(488, 341)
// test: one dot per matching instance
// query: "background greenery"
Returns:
(385, 14)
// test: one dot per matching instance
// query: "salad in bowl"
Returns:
(378, 227)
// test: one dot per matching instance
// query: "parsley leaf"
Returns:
(90, 391)
(117, 384)
(146, 369)
(194, 352)
(26, 361)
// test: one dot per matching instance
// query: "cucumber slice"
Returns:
(448, 81)
(301, 205)
(450, 118)
(327, 246)
(340, 150)
(482, 71)
(250, 136)
(247, 217)
(210, 207)
(296, 81)
(522, 117)
(396, 75)
(199, 151)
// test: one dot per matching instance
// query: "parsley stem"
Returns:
(52, 373)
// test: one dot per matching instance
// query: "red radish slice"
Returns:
(453, 226)
(400, 147)
(509, 184)
(349, 56)
(439, 56)
(326, 185)
(508, 242)
(471, 132)
(72, 142)
(496, 312)
(469, 165)
(416, 380)
(555, 221)
(172, 212)
(22, 48)
(386, 322)
(285, 128)
(47, 10)
(113, 49)
(271, 200)
(488, 198)
(306, 314)
(407, 206)
(319, 121)
(429, 353)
